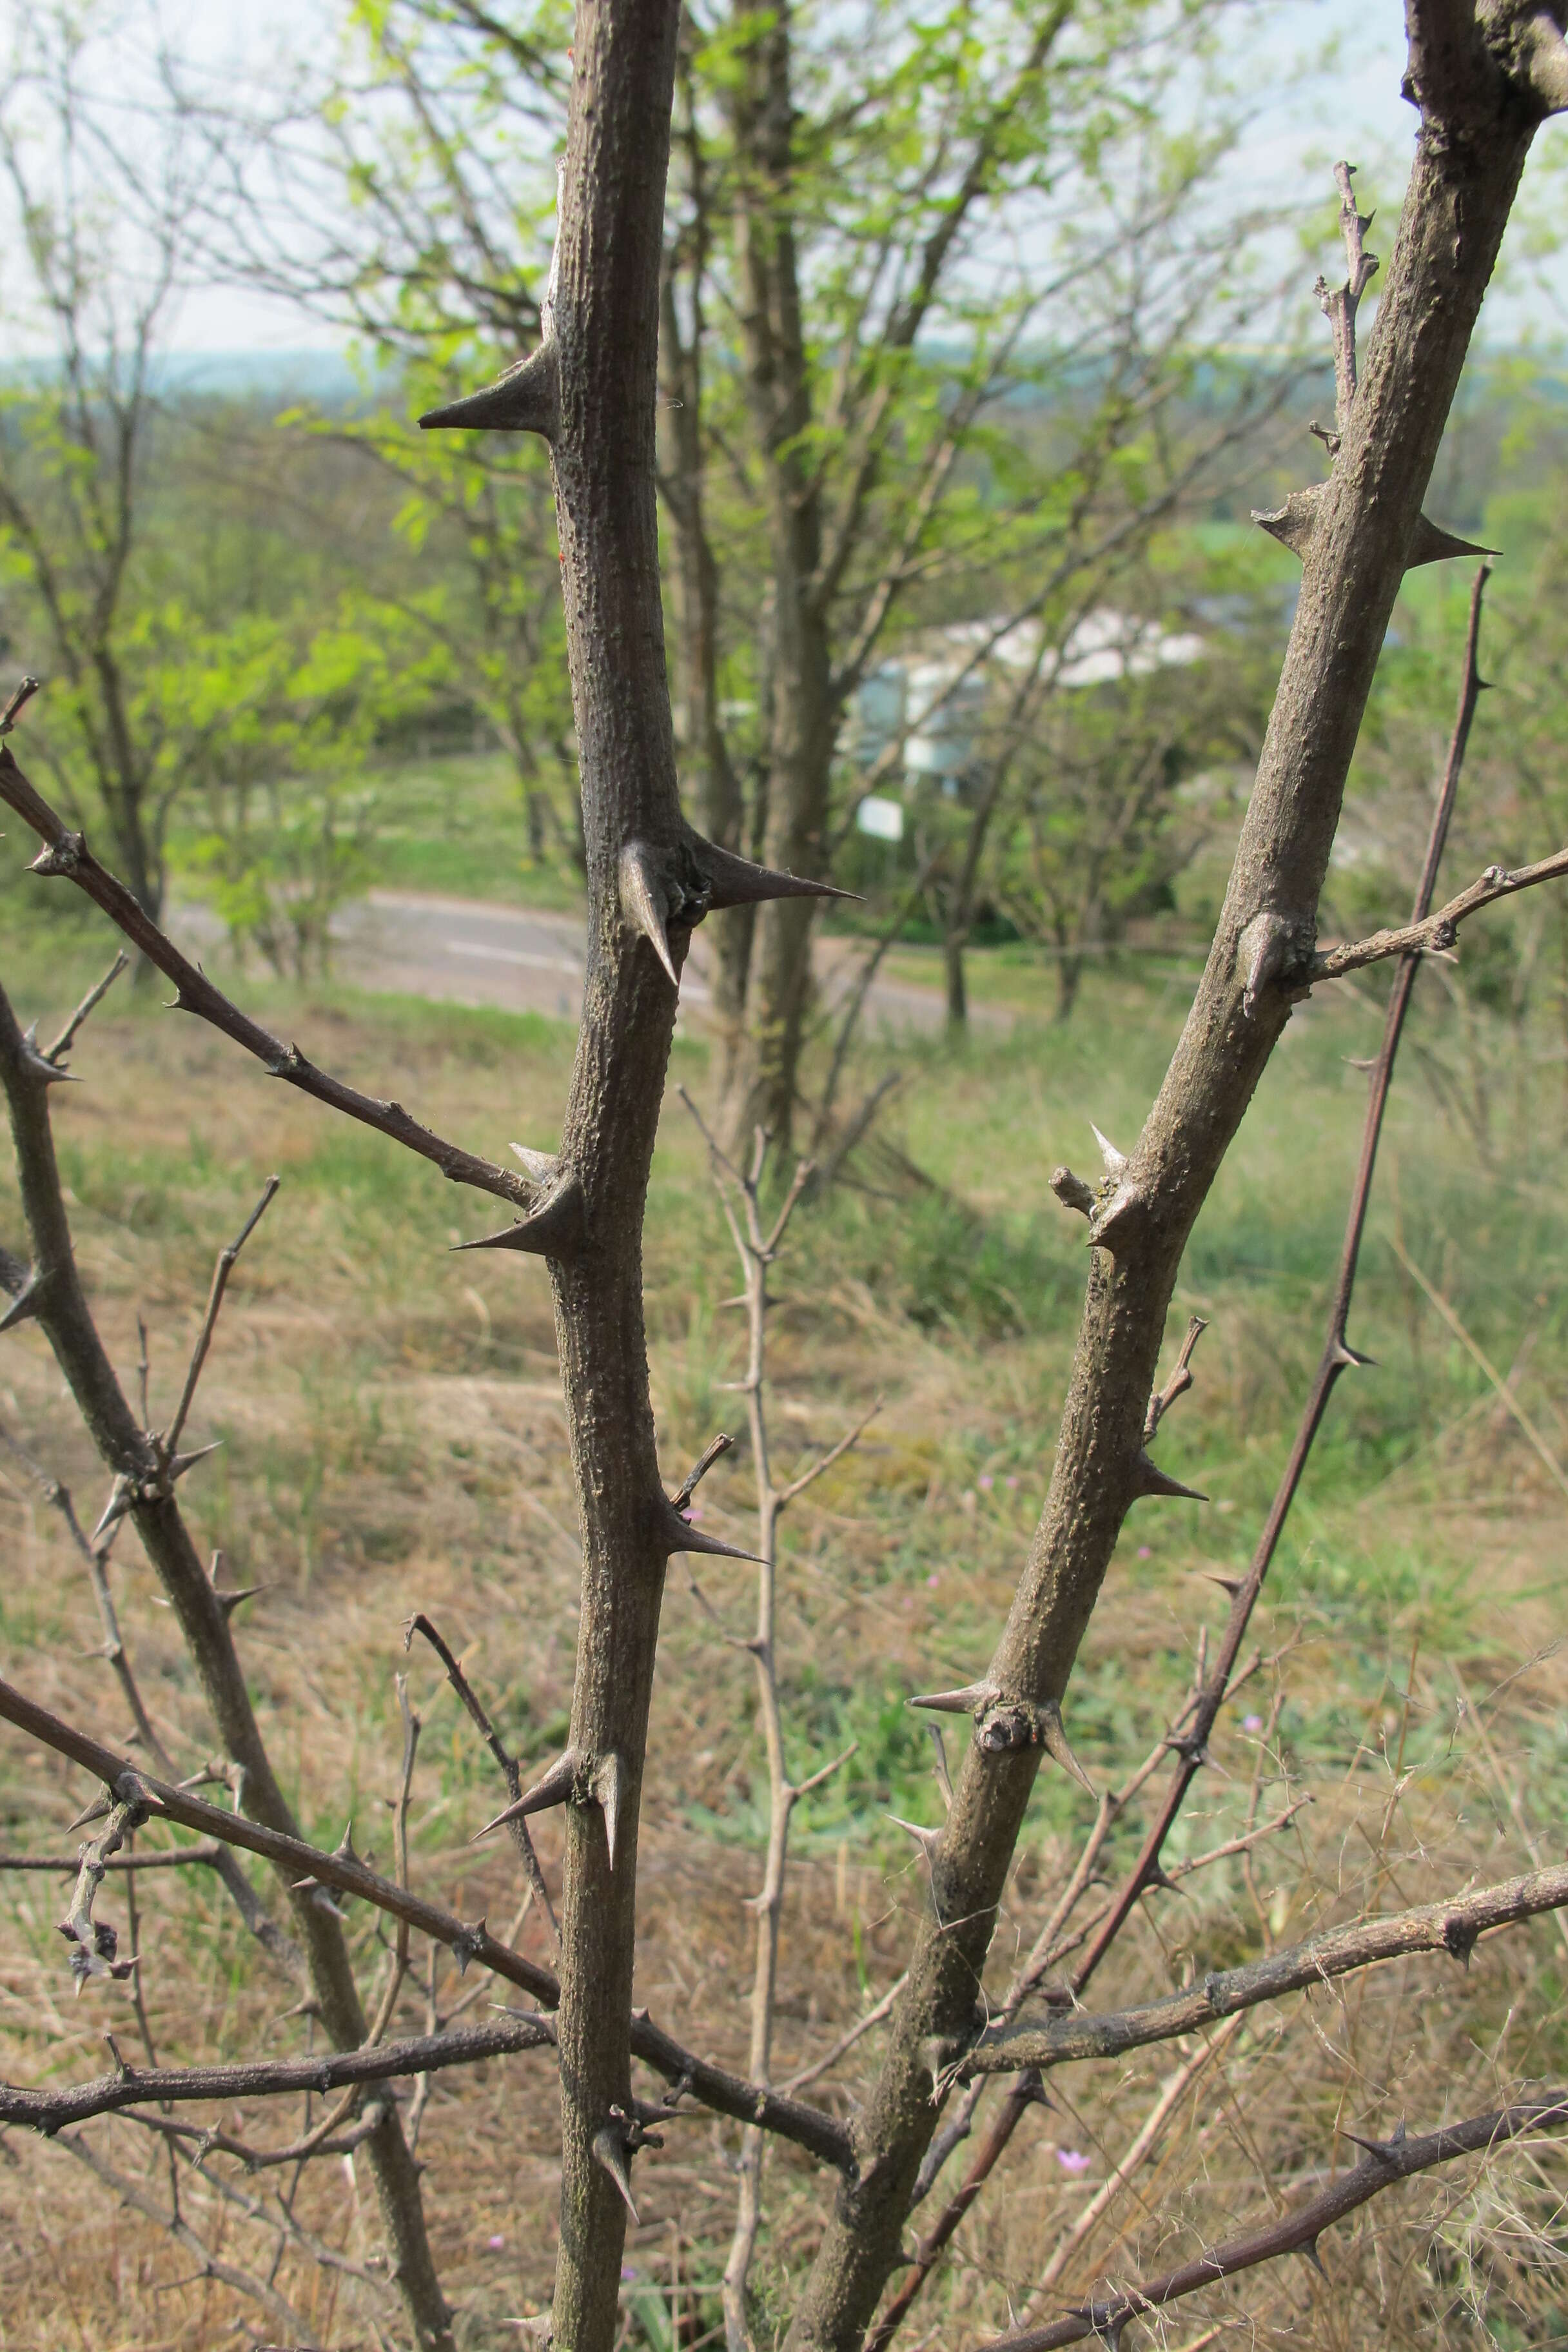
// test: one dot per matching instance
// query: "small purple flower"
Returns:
(1145, 1552)
(1252, 1723)
(1072, 2159)
(933, 1579)
(627, 2271)
(497, 2245)
(1012, 1486)
(987, 1482)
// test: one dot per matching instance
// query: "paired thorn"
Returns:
(525, 399)
(1001, 1724)
(556, 1228)
(180, 1463)
(735, 881)
(28, 1301)
(1309, 2253)
(544, 1167)
(1295, 523)
(973, 1699)
(1379, 2151)
(1115, 1161)
(927, 1840)
(1149, 1479)
(1351, 1358)
(556, 1787)
(678, 1534)
(645, 903)
(1054, 1740)
(615, 2142)
(608, 1785)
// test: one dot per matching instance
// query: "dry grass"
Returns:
(395, 1441)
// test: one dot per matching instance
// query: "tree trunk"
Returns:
(952, 949)
(802, 718)
(1477, 121)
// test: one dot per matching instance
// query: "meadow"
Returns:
(393, 1441)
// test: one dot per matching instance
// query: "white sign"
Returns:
(883, 820)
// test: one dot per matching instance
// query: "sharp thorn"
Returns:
(734, 881)
(180, 1463)
(609, 1786)
(679, 1535)
(556, 1787)
(95, 1812)
(1351, 1358)
(927, 1840)
(526, 399)
(1115, 1161)
(644, 904)
(27, 1302)
(229, 1601)
(1054, 1740)
(967, 1701)
(555, 1229)
(610, 2150)
(1308, 2252)
(544, 1167)
(119, 1503)
(1231, 1584)
(1152, 1480)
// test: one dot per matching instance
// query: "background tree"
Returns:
(100, 285)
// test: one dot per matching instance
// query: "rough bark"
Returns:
(1474, 132)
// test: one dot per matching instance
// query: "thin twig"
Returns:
(94, 997)
(469, 1700)
(226, 1261)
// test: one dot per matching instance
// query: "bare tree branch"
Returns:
(67, 852)
(1383, 2164)
(821, 2135)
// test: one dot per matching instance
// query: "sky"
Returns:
(1353, 110)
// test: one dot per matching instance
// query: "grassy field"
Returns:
(394, 1441)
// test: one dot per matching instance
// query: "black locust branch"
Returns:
(1188, 1741)
(1383, 2164)
(65, 853)
(273, 2078)
(1476, 129)
(145, 1475)
(342, 1872)
(1454, 1926)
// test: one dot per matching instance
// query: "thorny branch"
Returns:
(273, 2078)
(67, 852)
(1383, 2163)
(517, 1827)
(1454, 1926)
(344, 1873)
(1114, 1201)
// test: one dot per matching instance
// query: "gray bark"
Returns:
(1478, 119)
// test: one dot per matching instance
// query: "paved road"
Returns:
(524, 960)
